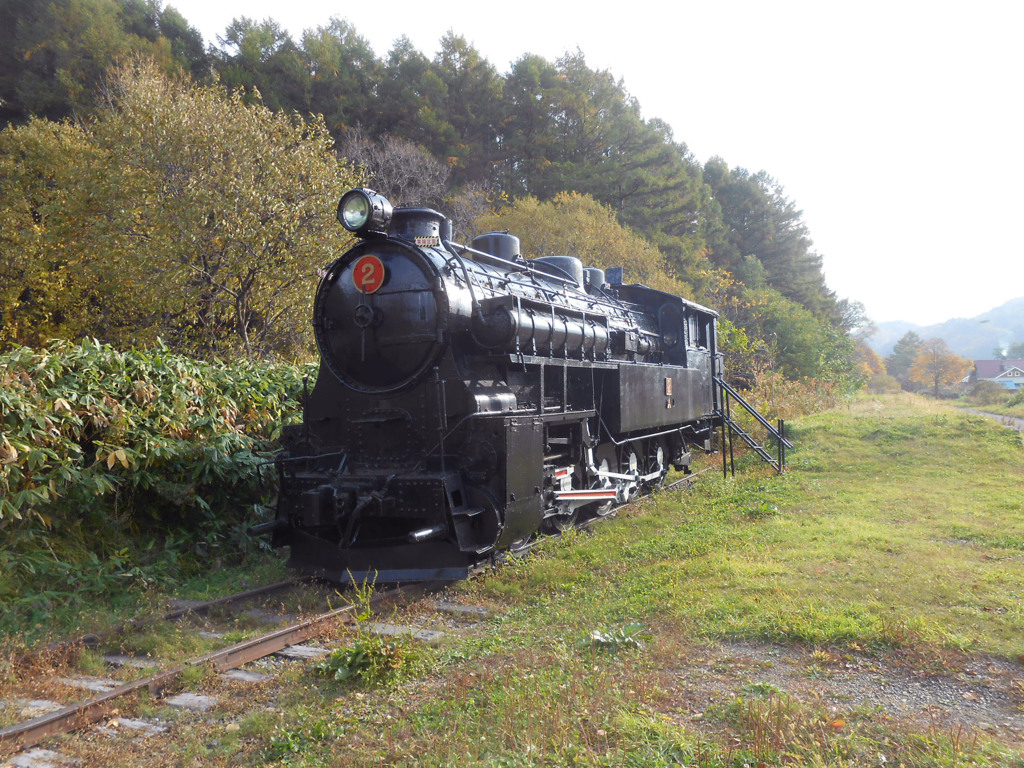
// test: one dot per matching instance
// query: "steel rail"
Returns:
(235, 598)
(75, 716)
(688, 480)
(92, 640)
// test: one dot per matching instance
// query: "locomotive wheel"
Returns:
(520, 547)
(604, 458)
(631, 464)
(656, 463)
(563, 521)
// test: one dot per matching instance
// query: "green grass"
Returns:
(109, 603)
(898, 527)
(894, 541)
(893, 529)
(1005, 402)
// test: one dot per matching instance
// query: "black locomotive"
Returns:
(468, 398)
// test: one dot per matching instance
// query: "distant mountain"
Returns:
(974, 337)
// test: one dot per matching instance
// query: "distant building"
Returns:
(1008, 374)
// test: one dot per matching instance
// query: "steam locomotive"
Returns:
(468, 398)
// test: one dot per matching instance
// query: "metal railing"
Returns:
(730, 428)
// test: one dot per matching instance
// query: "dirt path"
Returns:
(1007, 421)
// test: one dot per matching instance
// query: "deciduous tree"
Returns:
(188, 214)
(869, 362)
(935, 365)
(404, 173)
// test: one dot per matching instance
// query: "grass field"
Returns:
(866, 609)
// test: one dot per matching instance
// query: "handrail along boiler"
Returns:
(468, 398)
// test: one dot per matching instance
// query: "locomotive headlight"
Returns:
(362, 211)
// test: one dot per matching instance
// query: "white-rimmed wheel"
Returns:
(630, 465)
(656, 463)
(520, 547)
(604, 459)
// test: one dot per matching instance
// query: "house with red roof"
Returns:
(1008, 374)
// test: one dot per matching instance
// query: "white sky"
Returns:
(896, 126)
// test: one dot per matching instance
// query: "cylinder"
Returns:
(500, 244)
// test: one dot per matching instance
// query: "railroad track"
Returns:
(188, 608)
(31, 733)
(83, 713)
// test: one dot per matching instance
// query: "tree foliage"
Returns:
(187, 214)
(800, 344)
(47, 288)
(869, 363)
(758, 221)
(342, 72)
(54, 55)
(567, 127)
(262, 59)
(936, 366)
(904, 353)
(448, 131)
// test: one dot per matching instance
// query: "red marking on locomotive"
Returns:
(368, 274)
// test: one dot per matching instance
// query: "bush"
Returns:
(129, 458)
(988, 393)
(883, 382)
(372, 660)
(777, 397)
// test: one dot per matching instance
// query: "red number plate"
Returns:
(368, 274)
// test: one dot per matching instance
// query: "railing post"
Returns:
(782, 445)
(725, 426)
(728, 419)
(730, 429)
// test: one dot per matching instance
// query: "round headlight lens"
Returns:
(355, 211)
(364, 211)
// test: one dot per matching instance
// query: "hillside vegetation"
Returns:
(154, 187)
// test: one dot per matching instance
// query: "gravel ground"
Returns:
(976, 694)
